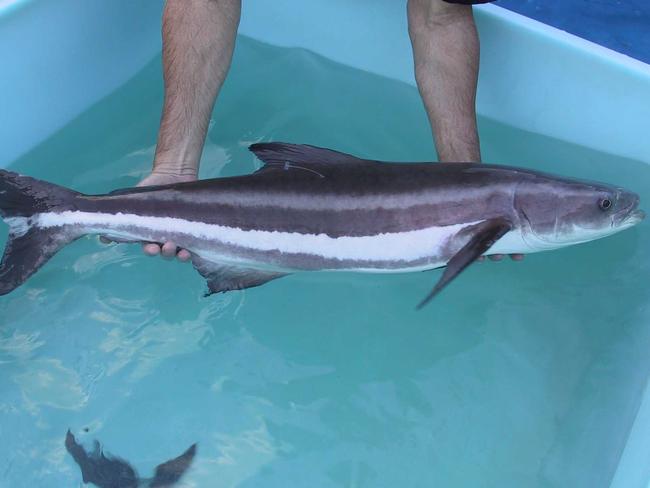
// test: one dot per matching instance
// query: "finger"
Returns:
(516, 257)
(104, 240)
(151, 249)
(183, 255)
(168, 250)
(496, 257)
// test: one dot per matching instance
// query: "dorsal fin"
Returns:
(276, 153)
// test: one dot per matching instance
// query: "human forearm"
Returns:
(198, 41)
(446, 55)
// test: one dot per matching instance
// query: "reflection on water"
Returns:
(522, 374)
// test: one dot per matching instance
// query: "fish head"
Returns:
(561, 213)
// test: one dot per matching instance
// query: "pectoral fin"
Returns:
(483, 236)
(222, 278)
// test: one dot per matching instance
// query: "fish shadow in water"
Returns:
(113, 472)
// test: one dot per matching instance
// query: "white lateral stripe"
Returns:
(407, 246)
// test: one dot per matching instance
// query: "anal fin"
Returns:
(222, 278)
(483, 237)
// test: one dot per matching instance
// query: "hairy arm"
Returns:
(446, 57)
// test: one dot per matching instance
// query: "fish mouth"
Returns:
(629, 215)
(634, 217)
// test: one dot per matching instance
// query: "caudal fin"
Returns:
(30, 246)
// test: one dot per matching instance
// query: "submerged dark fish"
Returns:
(112, 472)
(310, 209)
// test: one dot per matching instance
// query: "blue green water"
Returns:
(519, 375)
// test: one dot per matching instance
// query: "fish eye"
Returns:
(605, 204)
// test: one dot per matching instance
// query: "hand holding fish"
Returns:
(446, 82)
(168, 249)
(499, 257)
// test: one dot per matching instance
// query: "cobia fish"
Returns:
(311, 209)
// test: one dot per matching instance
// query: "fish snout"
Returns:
(629, 213)
(635, 216)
